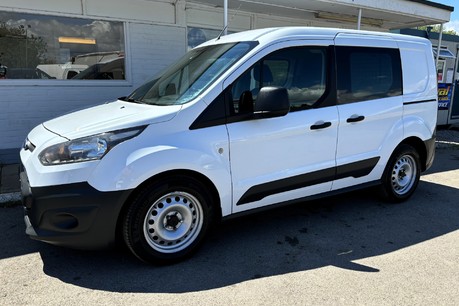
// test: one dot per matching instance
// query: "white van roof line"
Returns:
(272, 34)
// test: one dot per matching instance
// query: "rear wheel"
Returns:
(168, 220)
(401, 175)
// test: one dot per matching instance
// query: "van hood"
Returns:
(109, 117)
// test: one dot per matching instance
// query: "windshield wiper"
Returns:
(127, 99)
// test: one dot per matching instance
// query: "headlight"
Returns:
(87, 148)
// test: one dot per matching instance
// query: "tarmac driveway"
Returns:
(350, 249)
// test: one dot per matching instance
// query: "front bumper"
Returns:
(73, 215)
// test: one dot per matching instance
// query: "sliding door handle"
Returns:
(355, 119)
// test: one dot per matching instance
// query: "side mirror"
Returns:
(272, 102)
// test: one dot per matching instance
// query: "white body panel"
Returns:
(379, 132)
(280, 148)
(383, 131)
(239, 156)
(107, 117)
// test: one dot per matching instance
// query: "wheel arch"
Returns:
(420, 147)
(216, 203)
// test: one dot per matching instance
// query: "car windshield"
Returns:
(191, 75)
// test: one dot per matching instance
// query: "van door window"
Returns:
(365, 73)
(301, 70)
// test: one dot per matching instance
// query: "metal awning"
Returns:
(373, 14)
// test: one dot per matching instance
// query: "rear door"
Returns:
(370, 106)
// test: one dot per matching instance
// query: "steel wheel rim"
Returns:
(173, 222)
(403, 174)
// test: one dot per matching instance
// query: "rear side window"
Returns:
(367, 73)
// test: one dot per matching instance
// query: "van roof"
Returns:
(285, 33)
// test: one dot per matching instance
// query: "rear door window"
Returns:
(366, 73)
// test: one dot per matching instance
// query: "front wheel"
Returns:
(167, 221)
(402, 174)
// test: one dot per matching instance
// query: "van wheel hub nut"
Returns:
(172, 221)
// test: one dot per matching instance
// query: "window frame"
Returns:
(326, 99)
(343, 67)
(219, 110)
(127, 82)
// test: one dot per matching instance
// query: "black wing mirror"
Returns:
(272, 102)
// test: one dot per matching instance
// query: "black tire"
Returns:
(167, 220)
(401, 175)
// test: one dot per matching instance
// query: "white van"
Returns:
(240, 123)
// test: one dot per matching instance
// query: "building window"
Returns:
(51, 47)
(197, 36)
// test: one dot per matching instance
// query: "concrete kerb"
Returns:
(10, 199)
(447, 145)
(9, 184)
(448, 138)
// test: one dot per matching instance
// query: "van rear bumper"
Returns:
(72, 215)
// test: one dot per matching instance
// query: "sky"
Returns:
(454, 21)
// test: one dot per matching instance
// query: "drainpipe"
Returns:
(359, 19)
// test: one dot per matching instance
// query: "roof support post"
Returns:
(450, 115)
(439, 46)
(359, 19)
(225, 17)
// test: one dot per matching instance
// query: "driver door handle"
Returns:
(320, 125)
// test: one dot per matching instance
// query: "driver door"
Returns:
(282, 158)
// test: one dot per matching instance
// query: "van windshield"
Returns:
(191, 75)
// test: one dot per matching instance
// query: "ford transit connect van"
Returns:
(239, 123)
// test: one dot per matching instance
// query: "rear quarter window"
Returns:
(415, 71)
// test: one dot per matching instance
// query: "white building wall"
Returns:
(152, 48)
(211, 18)
(139, 10)
(151, 45)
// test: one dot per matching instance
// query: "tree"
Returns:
(20, 48)
(436, 29)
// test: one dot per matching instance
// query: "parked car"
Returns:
(240, 123)
(111, 70)
(27, 73)
(89, 59)
(62, 71)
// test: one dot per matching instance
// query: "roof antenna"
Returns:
(226, 25)
(220, 35)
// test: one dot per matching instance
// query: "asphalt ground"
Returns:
(351, 249)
